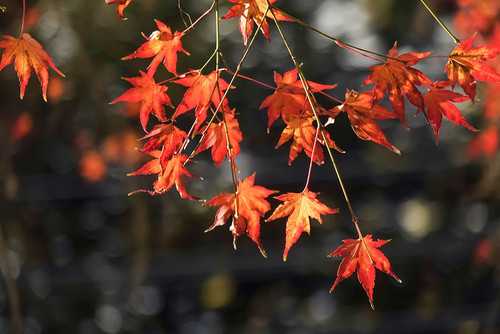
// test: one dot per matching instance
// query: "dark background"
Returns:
(85, 258)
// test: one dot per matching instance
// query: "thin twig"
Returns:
(441, 23)
(21, 30)
(202, 16)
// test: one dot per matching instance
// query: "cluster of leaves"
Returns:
(215, 125)
(482, 16)
(293, 102)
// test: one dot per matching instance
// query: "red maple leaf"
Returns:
(202, 91)
(299, 208)
(166, 137)
(217, 139)
(162, 45)
(362, 255)
(170, 173)
(121, 5)
(252, 12)
(398, 79)
(251, 204)
(439, 102)
(302, 132)
(362, 112)
(467, 64)
(151, 95)
(289, 98)
(28, 55)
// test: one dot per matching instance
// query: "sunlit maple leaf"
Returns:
(252, 12)
(439, 102)
(363, 256)
(467, 64)
(289, 98)
(162, 45)
(202, 91)
(476, 15)
(362, 112)
(217, 139)
(28, 55)
(170, 174)
(299, 208)
(121, 5)
(166, 137)
(151, 95)
(485, 144)
(302, 132)
(398, 79)
(251, 206)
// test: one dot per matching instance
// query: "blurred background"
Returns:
(78, 255)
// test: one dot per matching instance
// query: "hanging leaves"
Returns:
(219, 136)
(289, 99)
(246, 208)
(170, 173)
(362, 255)
(439, 102)
(202, 91)
(252, 12)
(151, 95)
(466, 64)
(162, 45)
(28, 55)
(362, 111)
(299, 208)
(398, 80)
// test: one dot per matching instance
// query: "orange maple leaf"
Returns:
(364, 256)
(398, 79)
(362, 112)
(289, 98)
(251, 205)
(302, 132)
(439, 102)
(121, 5)
(28, 55)
(299, 207)
(163, 45)
(168, 137)
(202, 91)
(467, 64)
(216, 138)
(151, 95)
(252, 12)
(170, 173)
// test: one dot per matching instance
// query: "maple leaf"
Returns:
(162, 45)
(200, 94)
(151, 95)
(170, 173)
(251, 204)
(28, 55)
(439, 102)
(167, 136)
(299, 207)
(467, 64)
(362, 112)
(398, 79)
(289, 98)
(302, 132)
(121, 5)
(252, 12)
(362, 255)
(216, 138)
